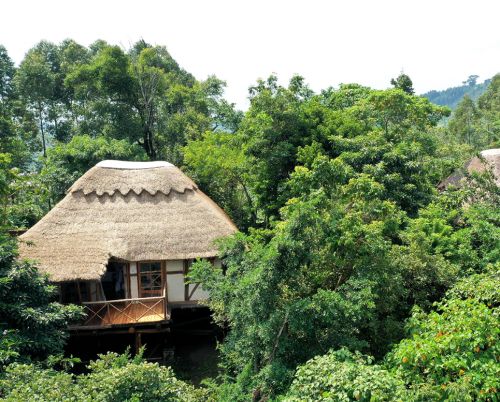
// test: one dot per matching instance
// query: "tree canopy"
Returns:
(351, 277)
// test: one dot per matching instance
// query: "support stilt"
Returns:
(138, 344)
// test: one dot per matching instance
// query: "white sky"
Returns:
(439, 43)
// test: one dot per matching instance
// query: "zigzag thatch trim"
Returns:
(108, 181)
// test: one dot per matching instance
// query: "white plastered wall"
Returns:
(94, 290)
(134, 283)
(175, 281)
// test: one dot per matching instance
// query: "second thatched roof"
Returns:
(491, 160)
(133, 211)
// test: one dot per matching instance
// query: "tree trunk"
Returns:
(41, 129)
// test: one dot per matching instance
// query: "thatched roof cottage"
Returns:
(125, 236)
(490, 159)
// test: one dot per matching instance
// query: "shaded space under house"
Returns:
(122, 241)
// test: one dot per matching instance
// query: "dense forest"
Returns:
(452, 96)
(351, 278)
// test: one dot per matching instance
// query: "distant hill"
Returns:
(451, 96)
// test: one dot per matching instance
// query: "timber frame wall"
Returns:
(140, 310)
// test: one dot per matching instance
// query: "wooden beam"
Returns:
(79, 293)
(98, 332)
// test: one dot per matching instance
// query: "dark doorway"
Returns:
(113, 281)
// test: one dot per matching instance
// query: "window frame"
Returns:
(140, 273)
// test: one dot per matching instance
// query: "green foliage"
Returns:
(19, 196)
(477, 227)
(118, 378)
(452, 353)
(272, 130)
(482, 287)
(344, 376)
(385, 134)
(68, 162)
(39, 81)
(404, 83)
(145, 97)
(452, 96)
(18, 128)
(113, 378)
(343, 231)
(471, 81)
(489, 107)
(396, 112)
(464, 120)
(27, 314)
(23, 206)
(421, 259)
(33, 382)
(322, 281)
(218, 165)
(346, 96)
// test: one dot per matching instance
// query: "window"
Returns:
(151, 279)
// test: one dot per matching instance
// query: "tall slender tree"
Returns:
(464, 120)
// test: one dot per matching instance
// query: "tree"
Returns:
(344, 376)
(27, 313)
(143, 95)
(450, 354)
(346, 96)
(218, 165)
(404, 83)
(464, 120)
(314, 283)
(36, 82)
(471, 81)
(272, 130)
(453, 352)
(18, 128)
(68, 162)
(489, 108)
(7, 71)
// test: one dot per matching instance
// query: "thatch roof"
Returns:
(132, 211)
(491, 159)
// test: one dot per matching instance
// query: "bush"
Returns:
(344, 376)
(114, 378)
(32, 326)
(453, 353)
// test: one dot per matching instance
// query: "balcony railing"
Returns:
(125, 311)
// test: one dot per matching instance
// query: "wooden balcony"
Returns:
(124, 312)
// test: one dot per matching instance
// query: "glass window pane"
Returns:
(145, 267)
(156, 266)
(145, 281)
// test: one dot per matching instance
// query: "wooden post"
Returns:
(138, 345)
(79, 292)
(186, 286)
